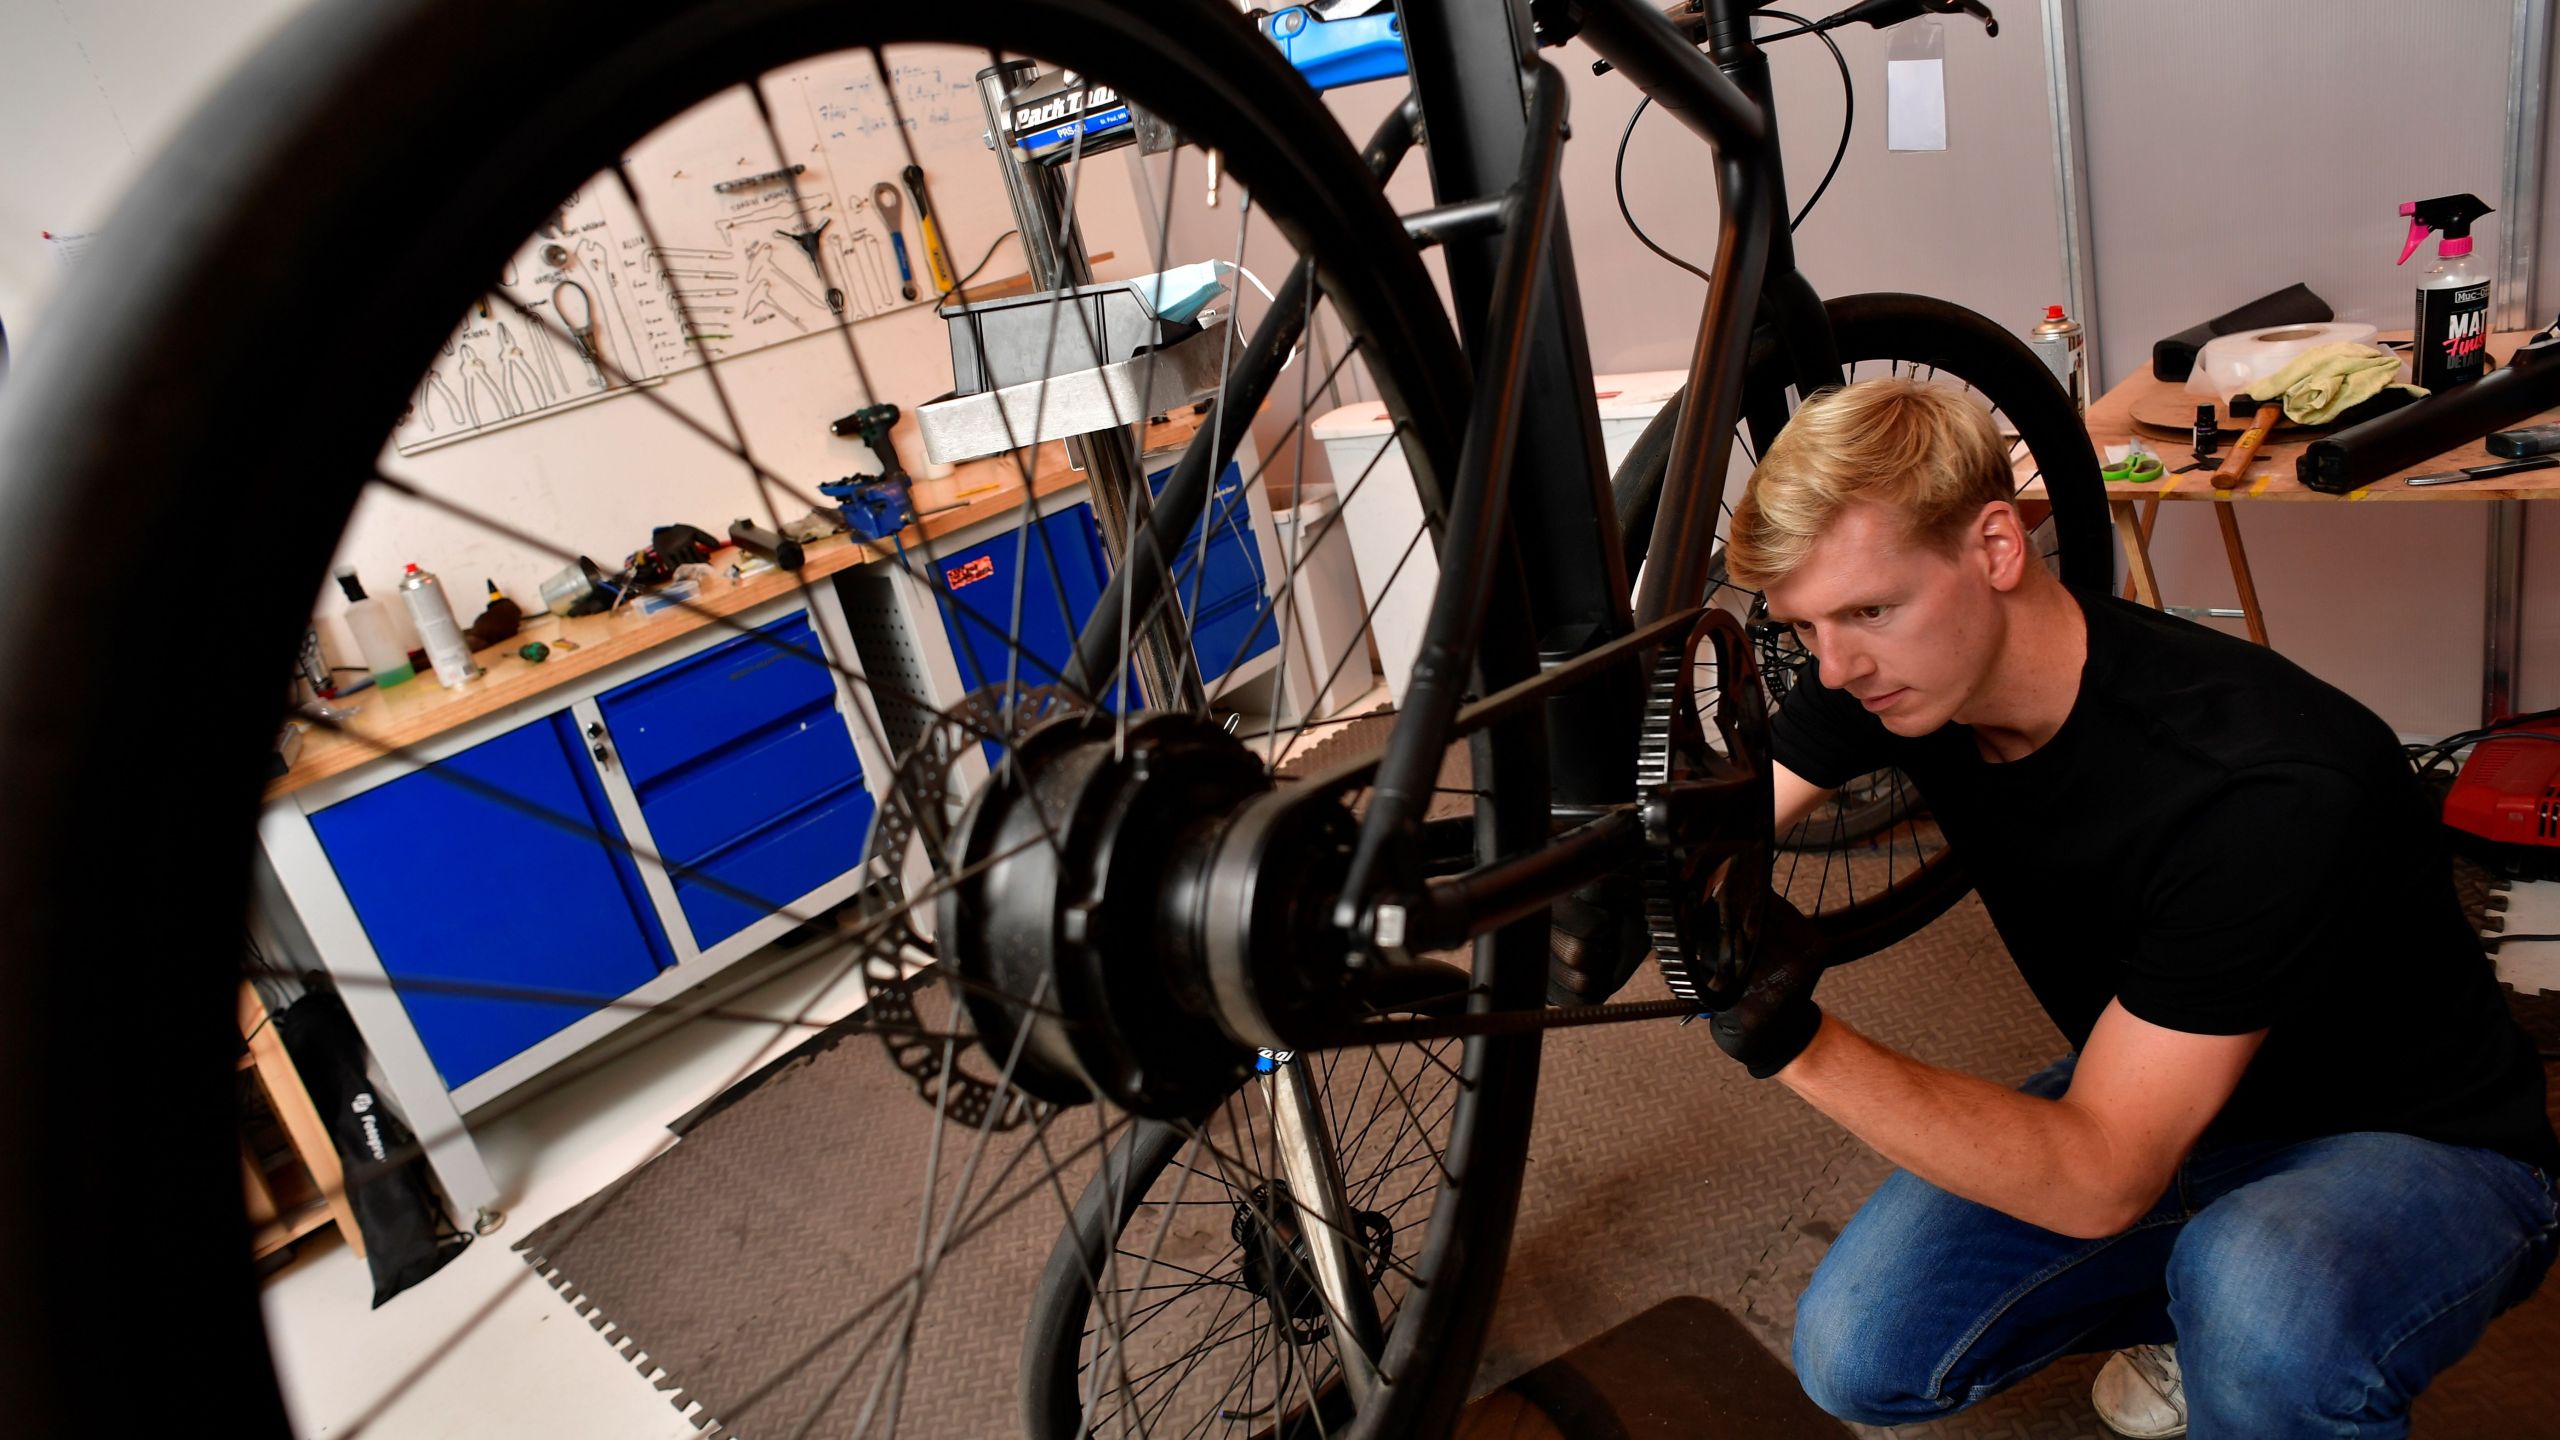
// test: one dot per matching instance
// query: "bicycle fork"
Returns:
(1313, 1170)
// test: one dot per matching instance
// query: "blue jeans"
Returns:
(2313, 1287)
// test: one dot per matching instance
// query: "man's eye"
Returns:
(1870, 612)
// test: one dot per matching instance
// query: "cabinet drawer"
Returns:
(702, 703)
(1061, 582)
(1222, 595)
(776, 864)
(1219, 630)
(498, 868)
(741, 787)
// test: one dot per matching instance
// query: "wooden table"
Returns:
(2271, 478)
(387, 720)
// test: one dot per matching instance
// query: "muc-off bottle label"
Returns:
(2453, 335)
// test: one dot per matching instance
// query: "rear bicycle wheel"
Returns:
(1870, 867)
(107, 424)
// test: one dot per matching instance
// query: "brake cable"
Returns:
(1848, 121)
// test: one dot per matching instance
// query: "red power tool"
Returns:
(2509, 793)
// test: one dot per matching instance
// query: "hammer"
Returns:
(2235, 466)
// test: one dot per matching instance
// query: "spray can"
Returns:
(2057, 341)
(433, 615)
(2452, 335)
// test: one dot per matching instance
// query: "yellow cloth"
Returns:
(2321, 383)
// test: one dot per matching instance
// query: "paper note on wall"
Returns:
(1915, 87)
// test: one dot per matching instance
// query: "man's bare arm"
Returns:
(2087, 1165)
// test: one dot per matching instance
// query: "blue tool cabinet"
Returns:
(572, 858)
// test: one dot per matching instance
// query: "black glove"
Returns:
(1775, 1018)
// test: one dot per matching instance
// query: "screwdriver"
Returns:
(936, 262)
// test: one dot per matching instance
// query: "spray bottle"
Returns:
(2452, 336)
(428, 609)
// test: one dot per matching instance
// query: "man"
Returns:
(2299, 1138)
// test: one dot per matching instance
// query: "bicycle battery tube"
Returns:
(2361, 454)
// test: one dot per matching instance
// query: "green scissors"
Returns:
(2138, 467)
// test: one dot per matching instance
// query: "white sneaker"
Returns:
(2140, 1393)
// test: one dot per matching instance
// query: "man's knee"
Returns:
(2255, 1338)
(1846, 1362)
(1856, 1362)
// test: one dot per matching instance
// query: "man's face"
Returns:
(1907, 628)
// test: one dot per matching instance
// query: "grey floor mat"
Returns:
(735, 1267)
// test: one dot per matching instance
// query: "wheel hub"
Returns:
(1279, 1269)
(1098, 892)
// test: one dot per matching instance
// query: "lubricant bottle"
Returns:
(2452, 335)
(433, 615)
(377, 633)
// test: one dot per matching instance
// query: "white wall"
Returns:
(91, 88)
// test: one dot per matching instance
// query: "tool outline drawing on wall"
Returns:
(580, 322)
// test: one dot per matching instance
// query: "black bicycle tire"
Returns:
(106, 436)
(1965, 344)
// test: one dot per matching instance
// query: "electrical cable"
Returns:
(1848, 120)
(1848, 105)
(1621, 184)
(958, 284)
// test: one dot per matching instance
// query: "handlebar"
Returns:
(1556, 23)
(1885, 14)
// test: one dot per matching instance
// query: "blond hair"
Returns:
(1927, 452)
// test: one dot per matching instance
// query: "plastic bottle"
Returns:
(2452, 332)
(377, 633)
(433, 614)
(2058, 342)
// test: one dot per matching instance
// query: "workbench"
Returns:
(498, 875)
(2135, 506)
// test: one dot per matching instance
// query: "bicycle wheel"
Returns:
(245, 225)
(1234, 1336)
(1870, 868)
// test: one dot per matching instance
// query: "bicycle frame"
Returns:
(1521, 323)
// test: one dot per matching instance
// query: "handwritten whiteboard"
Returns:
(595, 272)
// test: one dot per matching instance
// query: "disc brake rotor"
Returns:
(908, 834)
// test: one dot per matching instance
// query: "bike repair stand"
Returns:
(1053, 246)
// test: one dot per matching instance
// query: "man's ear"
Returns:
(2000, 533)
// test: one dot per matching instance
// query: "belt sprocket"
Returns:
(1702, 900)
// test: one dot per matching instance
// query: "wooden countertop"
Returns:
(2271, 475)
(388, 720)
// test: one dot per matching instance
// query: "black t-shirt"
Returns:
(2225, 843)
